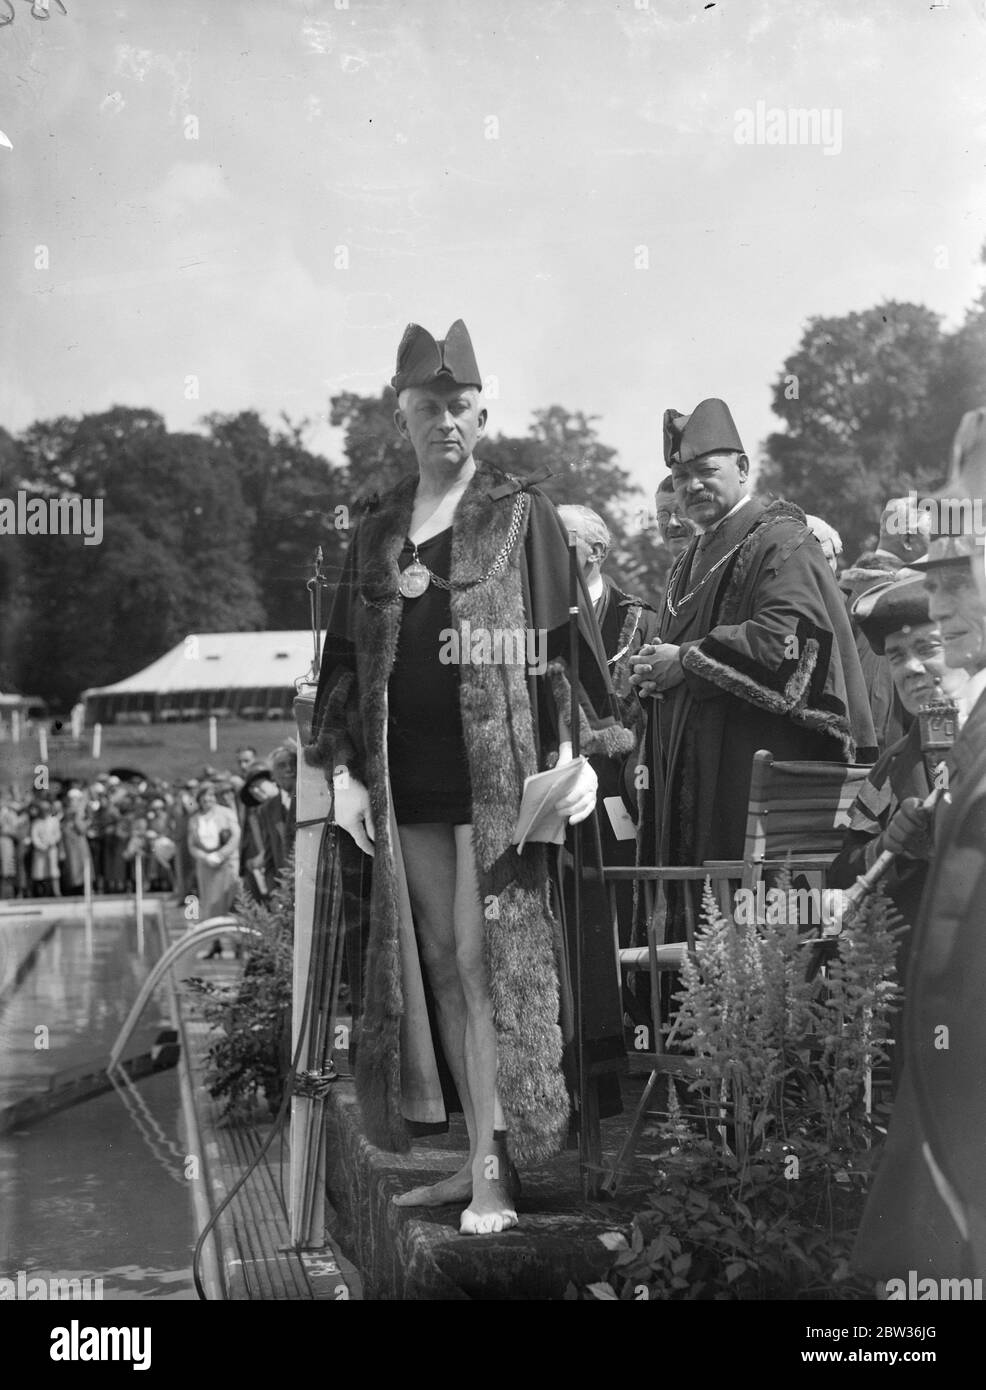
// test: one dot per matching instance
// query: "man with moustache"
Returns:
(673, 526)
(756, 652)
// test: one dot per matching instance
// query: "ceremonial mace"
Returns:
(315, 585)
(319, 929)
(574, 712)
(938, 723)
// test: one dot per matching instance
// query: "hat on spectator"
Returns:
(892, 606)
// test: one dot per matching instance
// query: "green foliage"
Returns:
(760, 1196)
(377, 457)
(870, 402)
(291, 496)
(203, 532)
(251, 1018)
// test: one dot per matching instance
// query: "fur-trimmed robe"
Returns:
(510, 723)
(769, 662)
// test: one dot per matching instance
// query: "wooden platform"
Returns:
(256, 1261)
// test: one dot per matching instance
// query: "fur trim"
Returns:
(500, 745)
(735, 682)
(331, 742)
(607, 741)
(520, 930)
(378, 1059)
(789, 700)
(748, 553)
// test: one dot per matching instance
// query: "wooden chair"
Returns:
(797, 814)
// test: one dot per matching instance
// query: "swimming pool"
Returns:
(97, 1191)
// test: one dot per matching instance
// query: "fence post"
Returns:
(139, 884)
(87, 891)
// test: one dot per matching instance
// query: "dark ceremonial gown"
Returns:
(626, 623)
(510, 724)
(769, 662)
(900, 773)
(935, 1157)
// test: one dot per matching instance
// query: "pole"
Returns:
(313, 802)
(213, 734)
(42, 743)
(315, 586)
(97, 740)
(87, 892)
(139, 886)
(574, 715)
(15, 726)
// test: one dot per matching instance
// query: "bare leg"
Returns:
(430, 864)
(491, 1208)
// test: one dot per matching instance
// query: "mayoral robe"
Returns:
(769, 662)
(512, 720)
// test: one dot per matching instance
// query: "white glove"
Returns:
(351, 810)
(579, 802)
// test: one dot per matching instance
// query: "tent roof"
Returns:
(8, 700)
(221, 661)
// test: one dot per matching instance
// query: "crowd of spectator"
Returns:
(178, 832)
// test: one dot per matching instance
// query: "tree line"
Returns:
(216, 531)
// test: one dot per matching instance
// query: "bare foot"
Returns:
(486, 1223)
(457, 1188)
(491, 1209)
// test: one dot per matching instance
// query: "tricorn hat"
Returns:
(707, 430)
(422, 359)
(891, 606)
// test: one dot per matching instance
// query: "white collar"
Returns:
(970, 693)
(710, 530)
(596, 588)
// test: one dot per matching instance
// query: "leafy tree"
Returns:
(12, 604)
(960, 382)
(297, 501)
(377, 457)
(584, 470)
(856, 398)
(173, 557)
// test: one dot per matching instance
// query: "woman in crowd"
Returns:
(75, 843)
(46, 837)
(214, 844)
(13, 831)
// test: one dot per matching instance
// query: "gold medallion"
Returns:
(414, 580)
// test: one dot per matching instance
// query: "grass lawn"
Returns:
(171, 751)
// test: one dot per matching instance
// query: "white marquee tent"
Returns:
(249, 674)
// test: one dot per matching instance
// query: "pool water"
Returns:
(96, 1191)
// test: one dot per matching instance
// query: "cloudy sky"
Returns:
(260, 194)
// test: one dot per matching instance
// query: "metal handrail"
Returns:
(213, 926)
